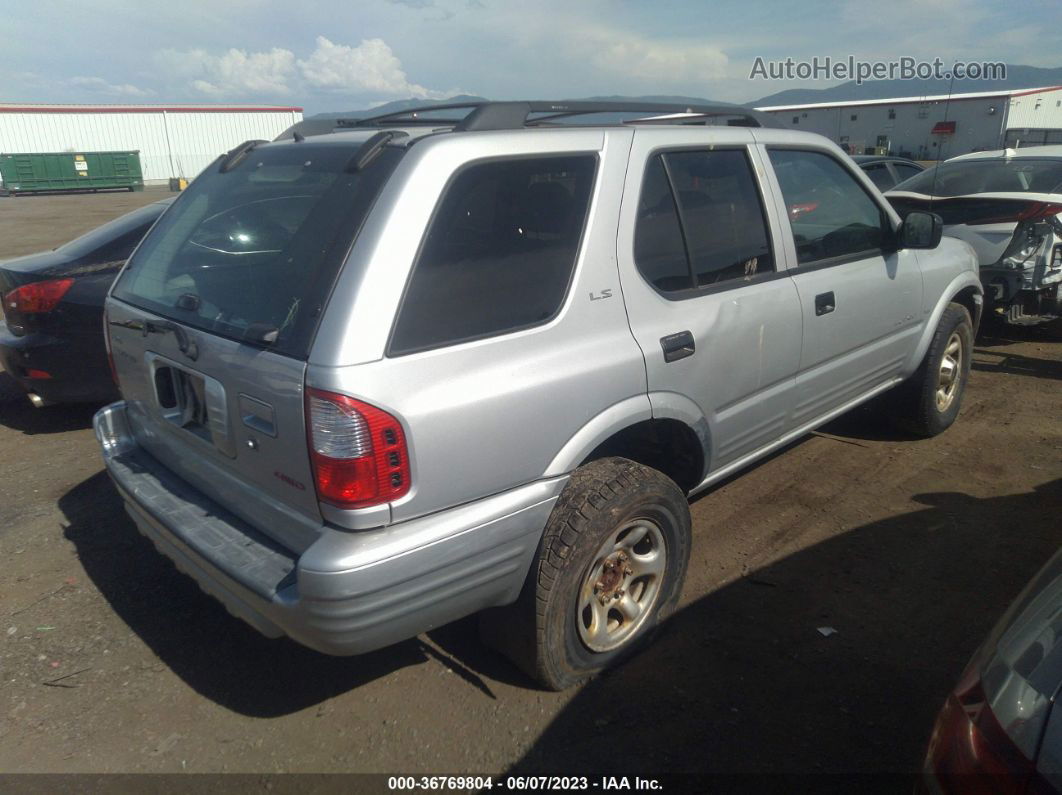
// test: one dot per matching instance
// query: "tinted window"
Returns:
(499, 253)
(830, 214)
(719, 233)
(118, 250)
(995, 175)
(115, 239)
(879, 175)
(721, 214)
(251, 253)
(658, 246)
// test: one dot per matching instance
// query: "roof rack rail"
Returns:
(515, 115)
(235, 156)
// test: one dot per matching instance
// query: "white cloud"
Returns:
(665, 61)
(97, 85)
(370, 67)
(235, 73)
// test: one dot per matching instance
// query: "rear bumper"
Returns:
(350, 591)
(73, 379)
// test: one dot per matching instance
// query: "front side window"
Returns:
(499, 253)
(700, 221)
(829, 212)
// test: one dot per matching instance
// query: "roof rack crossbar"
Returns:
(507, 115)
(484, 115)
(514, 115)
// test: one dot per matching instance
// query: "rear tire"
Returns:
(929, 401)
(609, 569)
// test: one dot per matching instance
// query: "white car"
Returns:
(1007, 205)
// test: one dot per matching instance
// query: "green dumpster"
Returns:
(70, 171)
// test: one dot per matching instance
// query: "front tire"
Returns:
(929, 401)
(609, 569)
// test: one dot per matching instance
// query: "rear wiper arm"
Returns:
(261, 332)
(184, 344)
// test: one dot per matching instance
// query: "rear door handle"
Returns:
(678, 346)
(824, 304)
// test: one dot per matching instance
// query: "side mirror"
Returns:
(920, 230)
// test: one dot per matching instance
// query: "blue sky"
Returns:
(345, 54)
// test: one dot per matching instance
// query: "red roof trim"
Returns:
(1036, 91)
(146, 109)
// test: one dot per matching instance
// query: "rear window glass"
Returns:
(114, 239)
(251, 254)
(499, 253)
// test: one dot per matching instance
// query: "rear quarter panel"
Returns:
(488, 415)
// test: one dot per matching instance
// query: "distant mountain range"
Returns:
(1018, 77)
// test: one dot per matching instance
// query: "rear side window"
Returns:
(659, 248)
(251, 253)
(499, 253)
(829, 212)
(701, 222)
(879, 175)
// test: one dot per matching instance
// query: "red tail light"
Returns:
(36, 298)
(797, 210)
(358, 451)
(971, 753)
(1033, 211)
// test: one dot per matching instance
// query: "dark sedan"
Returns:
(51, 337)
(885, 171)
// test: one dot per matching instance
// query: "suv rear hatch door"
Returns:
(212, 320)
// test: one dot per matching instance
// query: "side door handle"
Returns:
(824, 304)
(678, 346)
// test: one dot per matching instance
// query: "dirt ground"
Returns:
(110, 660)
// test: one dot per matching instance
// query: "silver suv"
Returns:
(423, 365)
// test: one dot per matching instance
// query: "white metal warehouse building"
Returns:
(934, 127)
(173, 140)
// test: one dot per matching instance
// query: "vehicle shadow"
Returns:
(869, 422)
(991, 361)
(216, 654)
(742, 683)
(17, 413)
(995, 333)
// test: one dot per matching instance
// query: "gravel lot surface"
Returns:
(110, 660)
